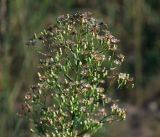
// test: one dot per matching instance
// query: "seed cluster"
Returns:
(80, 57)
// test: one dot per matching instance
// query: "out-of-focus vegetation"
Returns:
(134, 22)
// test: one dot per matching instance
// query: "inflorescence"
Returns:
(79, 64)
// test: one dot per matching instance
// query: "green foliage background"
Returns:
(134, 22)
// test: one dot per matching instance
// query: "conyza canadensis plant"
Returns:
(79, 63)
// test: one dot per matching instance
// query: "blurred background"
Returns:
(135, 22)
